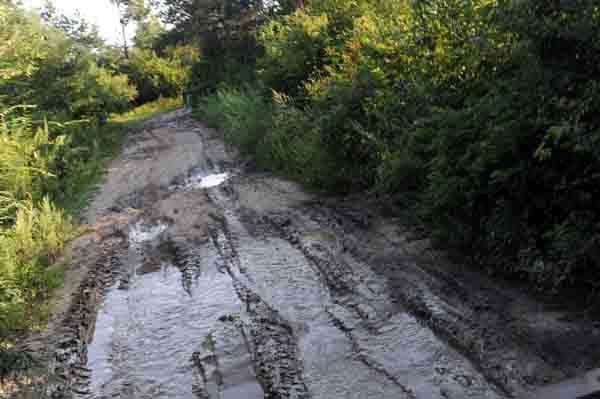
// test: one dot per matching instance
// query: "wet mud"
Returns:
(213, 281)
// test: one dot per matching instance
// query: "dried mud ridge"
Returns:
(211, 280)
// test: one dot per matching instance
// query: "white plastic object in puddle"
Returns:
(209, 181)
(141, 232)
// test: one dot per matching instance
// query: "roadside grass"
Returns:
(276, 134)
(147, 111)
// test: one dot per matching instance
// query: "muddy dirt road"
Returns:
(207, 279)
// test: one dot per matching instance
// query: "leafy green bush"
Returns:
(100, 93)
(43, 66)
(294, 49)
(243, 115)
(156, 76)
(54, 150)
(217, 71)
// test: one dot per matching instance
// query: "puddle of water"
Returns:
(142, 232)
(146, 335)
(150, 336)
(416, 358)
(402, 359)
(288, 283)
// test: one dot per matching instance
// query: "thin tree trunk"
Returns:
(125, 48)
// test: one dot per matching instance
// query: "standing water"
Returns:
(152, 327)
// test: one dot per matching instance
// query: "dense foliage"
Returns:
(43, 66)
(485, 110)
(164, 76)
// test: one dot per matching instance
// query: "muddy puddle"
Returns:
(151, 330)
(244, 316)
(232, 286)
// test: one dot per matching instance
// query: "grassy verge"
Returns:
(147, 111)
(278, 135)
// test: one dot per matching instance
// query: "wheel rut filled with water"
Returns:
(213, 281)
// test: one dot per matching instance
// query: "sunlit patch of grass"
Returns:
(148, 110)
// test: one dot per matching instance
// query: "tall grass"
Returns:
(242, 114)
(27, 250)
(277, 134)
(32, 230)
(27, 156)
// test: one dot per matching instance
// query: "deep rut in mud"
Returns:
(213, 281)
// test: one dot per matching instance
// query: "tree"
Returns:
(124, 19)
(147, 32)
(206, 17)
(76, 28)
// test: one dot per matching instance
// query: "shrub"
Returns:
(242, 114)
(156, 76)
(102, 93)
(43, 66)
(218, 71)
(294, 50)
(48, 158)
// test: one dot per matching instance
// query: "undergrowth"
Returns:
(278, 135)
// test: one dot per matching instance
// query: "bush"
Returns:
(242, 114)
(54, 150)
(156, 76)
(32, 230)
(278, 135)
(294, 50)
(42, 66)
(101, 94)
(218, 71)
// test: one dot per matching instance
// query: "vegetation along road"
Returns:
(313, 199)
